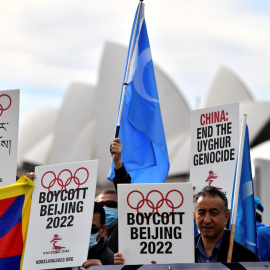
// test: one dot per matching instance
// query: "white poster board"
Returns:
(61, 215)
(9, 126)
(156, 223)
(214, 147)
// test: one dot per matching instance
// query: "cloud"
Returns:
(51, 43)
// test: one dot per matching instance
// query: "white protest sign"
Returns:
(156, 223)
(61, 215)
(9, 126)
(214, 147)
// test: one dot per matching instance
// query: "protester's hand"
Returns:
(116, 151)
(91, 262)
(31, 175)
(119, 259)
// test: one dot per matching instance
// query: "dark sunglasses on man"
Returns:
(111, 204)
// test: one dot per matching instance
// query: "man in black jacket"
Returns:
(212, 215)
(98, 253)
(108, 199)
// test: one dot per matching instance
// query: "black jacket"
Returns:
(101, 252)
(112, 238)
(240, 253)
(121, 177)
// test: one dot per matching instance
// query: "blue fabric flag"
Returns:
(145, 154)
(15, 203)
(245, 227)
(196, 232)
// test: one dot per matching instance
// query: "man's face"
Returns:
(106, 197)
(210, 217)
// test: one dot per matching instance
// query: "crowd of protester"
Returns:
(211, 217)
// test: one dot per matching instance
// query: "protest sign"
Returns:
(214, 147)
(9, 125)
(156, 223)
(61, 216)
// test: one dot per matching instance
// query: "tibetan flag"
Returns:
(245, 226)
(15, 202)
(145, 154)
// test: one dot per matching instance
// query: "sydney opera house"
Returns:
(83, 127)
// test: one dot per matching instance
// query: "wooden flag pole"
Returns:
(127, 73)
(236, 186)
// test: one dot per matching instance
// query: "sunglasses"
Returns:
(95, 229)
(111, 204)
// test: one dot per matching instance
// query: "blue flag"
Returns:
(196, 232)
(145, 154)
(245, 227)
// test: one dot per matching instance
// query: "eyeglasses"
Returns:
(95, 229)
(111, 204)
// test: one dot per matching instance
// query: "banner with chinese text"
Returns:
(9, 128)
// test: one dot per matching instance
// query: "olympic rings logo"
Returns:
(156, 204)
(2, 109)
(63, 183)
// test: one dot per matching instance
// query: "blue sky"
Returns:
(47, 45)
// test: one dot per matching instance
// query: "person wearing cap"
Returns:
(263, 232)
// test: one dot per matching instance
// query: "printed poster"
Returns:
(61, 215)
(156, 223)
(214, 147)
(9, 128)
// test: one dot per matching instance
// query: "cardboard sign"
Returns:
(9, 126)
(61, 215)
(214, 147)
(156, 223)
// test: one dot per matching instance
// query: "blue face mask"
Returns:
(93, 239)
(111, 217)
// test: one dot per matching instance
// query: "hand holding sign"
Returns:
(91, 262)
(119, 259)
(31, 175)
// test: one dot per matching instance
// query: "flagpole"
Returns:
(127, 73)
(236, 187)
